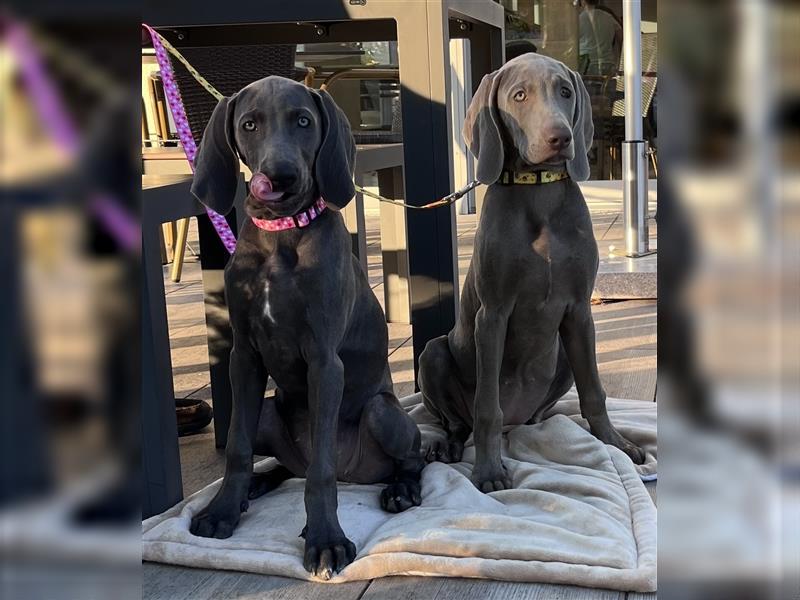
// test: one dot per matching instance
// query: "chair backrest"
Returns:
(228, 69)
(649, 65)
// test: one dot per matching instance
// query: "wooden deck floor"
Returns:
(626, 351)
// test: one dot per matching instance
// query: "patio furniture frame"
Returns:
(423, 31)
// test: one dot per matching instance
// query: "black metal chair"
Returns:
(229, 69)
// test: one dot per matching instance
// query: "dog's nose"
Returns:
(283, 180)
(558, 139)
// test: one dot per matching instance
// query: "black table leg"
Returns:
(23, 432)
(162, 485)
(213, 258)
(424, 65)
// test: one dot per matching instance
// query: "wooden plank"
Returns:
(267, 587)
(475, 589)
(404, 588)
(33, 578)
(217, 585)
(626, 348)
(430, 588)
(632, 375)
(168, 582)
(401, 364)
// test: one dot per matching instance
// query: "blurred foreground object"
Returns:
(69, 486)
(729, 217)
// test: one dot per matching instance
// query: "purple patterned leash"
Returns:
(184, 133)
(42, 92)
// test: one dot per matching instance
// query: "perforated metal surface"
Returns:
(229, 69)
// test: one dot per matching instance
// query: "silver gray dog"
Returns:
(525, 328)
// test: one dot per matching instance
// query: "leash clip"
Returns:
(463, 191)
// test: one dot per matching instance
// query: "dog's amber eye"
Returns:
(566, 92)
(303, 121)
(520, 96)
(249, 125)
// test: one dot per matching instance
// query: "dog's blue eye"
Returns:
(249, 126)
(520, 96)
(566, 92)
(304, 121)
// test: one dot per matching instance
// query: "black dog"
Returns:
(303, 313)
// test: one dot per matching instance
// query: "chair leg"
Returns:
(654, 161)
(611, 158)
(180, 249)
(308, 80)
(167, 242)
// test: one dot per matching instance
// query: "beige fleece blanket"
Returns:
(578, 514)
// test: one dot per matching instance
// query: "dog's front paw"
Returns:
(604, 431)
(218, 519)
(491, 478)
(401, 495)
(636, 454)
(327, 555)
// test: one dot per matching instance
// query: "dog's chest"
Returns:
(278, 324)
(277, 303)
(554, 246)
(268, 307)
(556, 260)
(266, 289)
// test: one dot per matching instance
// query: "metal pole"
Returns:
(634, 148)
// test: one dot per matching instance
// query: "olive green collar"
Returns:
(534, 178)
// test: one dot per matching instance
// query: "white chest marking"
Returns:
(267, 308)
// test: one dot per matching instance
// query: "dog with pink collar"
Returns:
(302, 313)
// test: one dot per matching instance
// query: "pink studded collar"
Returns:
(301, 219)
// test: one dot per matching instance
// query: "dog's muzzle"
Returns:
(261, 188)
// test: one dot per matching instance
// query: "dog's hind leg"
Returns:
(263, 483)
(399, 438)
(578, 335)
(441, 391)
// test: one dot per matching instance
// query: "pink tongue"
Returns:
(261, 188)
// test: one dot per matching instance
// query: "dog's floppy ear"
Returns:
(336, 156)
(582, 130)
(216, 166)
(482, 129)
